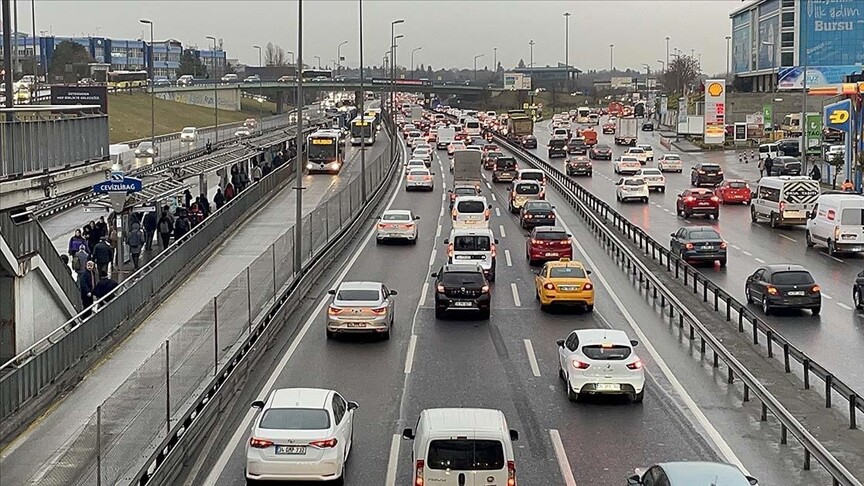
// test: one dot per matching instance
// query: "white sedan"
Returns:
(243, 132)
(397, 224)
(670, 163)
(423, 154)
(600, 362)
(300, 434)
(627, 164)
(632, 188)
(639, 153)
(655, 179)
(649, 151)
(415, 164)
(420, 179)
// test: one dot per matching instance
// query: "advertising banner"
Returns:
(755, 119)
(715, 111)
(768, 115)
(664, 105)
(740, 132)
(80, 95)
(769, 42)
(620, 82)
(834, 31)
(839, 117)
(513, 81)
(813, 137)
(817, 76)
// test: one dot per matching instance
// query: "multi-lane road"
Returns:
(834, 338)
(508, 363)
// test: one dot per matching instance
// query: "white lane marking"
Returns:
(723, 446)
(507, 257)
(393, 461)
(759, 260)
(494, 198)
(841, 304)
(409, 357)
(438, 232)
(498, 212)
(736, 247)
(236, 438)
(515, 295)
(423, 293)
(827, 296)
(489, 186)
(561, 454)
(790, 239)
(532, 358)
(501, 229)
(831, 257)
(443, 198)
(432, 258)
(747, 253)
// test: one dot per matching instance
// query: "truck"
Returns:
(416, 113)
(626, 131)
(519, 126)
(615, 109)
(466, 167)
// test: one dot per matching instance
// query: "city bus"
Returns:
(325, 151)
(363, 131)
(127, 79)
(582, 115)
(309, 74)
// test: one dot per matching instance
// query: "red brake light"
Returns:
(378, 311)
(772, 290)
(689, 199)
(535, 242)
(715, 198)
(494, 251)
(723, 245)
(689, 246)
(816, 288)
(484, 289)
(511, 473)
(782, 205)
(636, 365)
(323, 444)
(260, 443)
(580, 365)
(450, 250)
(334, 311)
(549, 286)
(588, 286)
(418, 473)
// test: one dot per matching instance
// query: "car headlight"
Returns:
(309, 165)
(150, 151)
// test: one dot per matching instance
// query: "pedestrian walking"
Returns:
(257, 173)
(113, 242)
(86, 283)
(65, 259)
(135, 240)
(81, 258)
(166, 226)
(195, 215)
(104, 286)
(761, 168)
(267, 169)
(187, 197)
(229, 192)
(204, 204)
(816, 173)
(92, 233)
(219, 198)
(150, 225)
(102, 254)
(769, 164)
(181, 226)
(75, 242)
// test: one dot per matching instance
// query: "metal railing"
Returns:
(28, 238)
(598, 216)
(130, 431)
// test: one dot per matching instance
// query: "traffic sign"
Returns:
(118, 182)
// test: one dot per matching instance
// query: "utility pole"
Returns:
(298, 159)
(215, 89)
(531, 69)
(495, 64)
(728, 59)
(666, 65)
(611, 58)
(362, 110)
(567, 47)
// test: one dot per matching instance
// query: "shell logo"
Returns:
(715, 89)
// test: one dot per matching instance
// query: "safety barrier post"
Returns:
(786, 357)
(853, 420)
(806, 364)
(99, 445)
(249, 299)
(215, 336)
(167, 386)
(829, 380)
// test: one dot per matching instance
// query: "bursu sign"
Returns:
(118, 183)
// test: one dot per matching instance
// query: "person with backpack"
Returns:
(150, 224)
(166, 226)
(219, 198)
(104, 286)
(135, 240)
(181, 226)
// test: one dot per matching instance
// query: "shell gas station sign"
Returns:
(715, 111)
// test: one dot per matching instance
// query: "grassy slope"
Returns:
(129, 115)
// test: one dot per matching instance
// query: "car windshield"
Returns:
(704, 235)
(635, 151)
(566, 272)
(463, 278)
(357, 294)
(550, 235)
(532, 176)
(671, 157)
(471, 243)
(505, 163)
(634, 182)
(629, 160)
(471, 207)
(417, 172)
(615, 352)
(295, 419)
(538, 206)
(738, 184)
(465, 191)
(527, 189)
(188, 130)
(651, 172)
(396, 217)
(792, 277)
(465, 455)
(710, 168)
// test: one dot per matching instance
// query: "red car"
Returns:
(548, 243)
(733, 191)
(698, 201)
(609, 128)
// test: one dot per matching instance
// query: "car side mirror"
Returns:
(588, 272)
(672, 235)
(393, 292)
(258, 404)
(569, 235)
(416, 217)
(446, 242)
(353, 406)
(753, 481)
(407, 434)
(634, 480)
(490, 206)
(434, 274)
(560, 343)
(634, 343)
(331, 292)
(514, 435)
(496, 241)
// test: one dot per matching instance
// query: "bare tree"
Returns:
(682, 71)
(274, 55)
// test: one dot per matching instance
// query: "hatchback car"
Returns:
(522, 191)
(609, 128)
(639, 153)
(670, 163)
(698, 244)
(461, 287)
(697, 201)
(452, 147)
(577, 146)
(505, 170)
(599, 152)
(600, 362)
(423, 154)
(564, 282)
(547, 243)
(704, 174)
(489, 159)
(529, 142)
(420, 179)
(691, 474)
(361, 307)
(783, 286)
(733, 191)
(537, 213)
(579, 165)
(629, 188)
(300, 434)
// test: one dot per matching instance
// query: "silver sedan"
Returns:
(361, 307)
(420, 179)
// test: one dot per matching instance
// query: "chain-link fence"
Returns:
(124, 430)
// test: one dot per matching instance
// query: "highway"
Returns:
(834, 339)
(31, 455)
(508, 363)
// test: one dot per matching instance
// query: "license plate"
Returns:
(291, 450)
(796, 292)
(463, 257)
(568, 288)
(707, 247)
(463, 304)
(704, 204)
(550, 254)
(356, 324)
(393, 235)
(608, 387)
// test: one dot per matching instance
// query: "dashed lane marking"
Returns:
(409, 359)
(747, 253)
(501, 229)
(507, 257)
(497, 212)
(788, 238)
(827, 296)
(759, 260)
(561, 455)
(515, 291)
(841, 304)
(532, 358)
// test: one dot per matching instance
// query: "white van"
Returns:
(471, 212)
(837, 222)
(472, 127)
(475, 245)
(444, 136)
(784, 200)
(766, 149)
(462, 446)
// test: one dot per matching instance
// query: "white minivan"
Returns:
(784, 200)
(462, 446)
(769, 149)
(471, 212)
(837, 222)
(476, 245)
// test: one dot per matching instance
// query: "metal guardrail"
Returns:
(598, 215)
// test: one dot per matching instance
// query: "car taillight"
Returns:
(494, 251)
(689, 246)
(418, 473)
(453, 213)
(579, 365)
(260, 443)
(549, 286)
(382, 226)
(715, 198)
(535, 242)
(486, 214)
(636, 365)
(511, 473)
(334, 311)
(379, 311)
(689, 199)
(450, 250)
(484, 289)
(588, 286)
(836, 233)
(701, 171)
(723, 245)
(324, 444)
(772, 290)
(815, 288)
(782, 206)
(440, 288)
(542, 195)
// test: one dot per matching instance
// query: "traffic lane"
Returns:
(367, 370)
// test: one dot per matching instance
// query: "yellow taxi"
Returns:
(564, 282)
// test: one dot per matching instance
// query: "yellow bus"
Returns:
(127, 79)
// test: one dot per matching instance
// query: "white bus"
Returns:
(363, 130)
(325, 151)
(582, 115)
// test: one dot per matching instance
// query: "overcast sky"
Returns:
(450, 32)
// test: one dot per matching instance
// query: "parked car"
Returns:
(785, 165)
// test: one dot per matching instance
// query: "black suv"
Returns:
(461, 287)
(576, 146)
(529, 142)
(706, 174)
(789, 146)
(557, 147)
(785, 165)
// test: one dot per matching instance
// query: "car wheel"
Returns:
(439, 314)
(484, 315)
(816, 310)
(589, 308)
(686, 214)
(250, 482)
(645, 200)
(716, 215)
(723, 262)
(590, 173)
(561, 372)
(766, 308)
(809, 239)
(662, 190)
(386, 335)
(832, 248)
(571, 394)
(856, 298)
(775, 221)
(753, 214)
(331, 335)
(639, 397)
(749, 297)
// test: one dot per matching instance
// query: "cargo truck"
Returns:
(626, 131)
(466, 167)
(519, 126)
(416, 113)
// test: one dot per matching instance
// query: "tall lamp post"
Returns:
(667, 51)
(611, 57)
(773, 45)
(152, 86)
(319, 61)
(298, 158)
(495, 63)
(215, 89)
(531, 68)
(339, 57)
(567, 47)
(260, 81)
(412, 59)
(728, 59)
(478, 56)
(393, 25)
(361, 102)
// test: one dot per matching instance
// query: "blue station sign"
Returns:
(118, 182)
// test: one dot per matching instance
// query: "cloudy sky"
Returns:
(450, 32)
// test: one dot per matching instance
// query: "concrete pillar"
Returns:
(357, 95)
(280, 102)
(7, 317)
(202, 183)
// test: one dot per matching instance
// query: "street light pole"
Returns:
(531, 69)
(803, 122)
(260, 80)
(393, 77)
(215, 89)
(412, 59)
(478, 56)
(611, 58)
(339, 57)
(567, 46)
(495, 63)
(667, 52)
(298, 158)
(728, 59)
(319, 61)
(362, 110)
(152, 87)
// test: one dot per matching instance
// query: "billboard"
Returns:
(715, 111)
(833, 31)
(664, 105)
(621, 82)
(741, 49)
(817, 76)
(80, 95)
(517, 81)
(769, 43)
